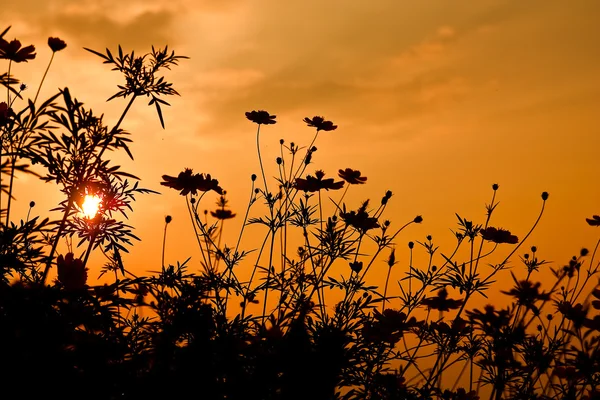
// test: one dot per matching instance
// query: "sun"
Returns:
(90, 206)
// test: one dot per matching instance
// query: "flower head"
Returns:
(261, 117)
(5, 113)
(441, 302)
(594, 221)
(498, 235)
(360, 219)
(527, 293)
(72, 274)
(316, 183)
(186, 182)
(12, 51)
(56, 44)
(320, 123)
(352, 176)
(222, 214)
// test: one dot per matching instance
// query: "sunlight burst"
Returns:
(90, 206)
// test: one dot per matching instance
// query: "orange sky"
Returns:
(434, 100)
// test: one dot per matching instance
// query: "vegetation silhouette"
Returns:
(215, 334)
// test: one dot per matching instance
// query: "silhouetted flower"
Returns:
(490, 320)
(388, 326)
(12, 51)
(261, 117)
(72, 274)
(441, 302)
(356, 266)
(320, 123)
(222, 214)
(56, 44)
(140, 291)
(360, 219)
(594, 221)
(576, 314)
(527, 293)
(352, 176)
(498, 235)
(189, 183)
(5, 113)
(316, 183)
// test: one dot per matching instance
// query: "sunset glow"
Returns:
(90, 206)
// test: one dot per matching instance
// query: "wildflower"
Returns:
(596, 294)
(12, 51)
(441, 302)
(352, 176)
(594, 221)
(5, 113)
(72, 274)
(140, 291)
(360, 219)
(261, 117)
(527, 293)
(356, 266)
(576, 314)
(388, 326)
(490, 320)
(168, 219)
(188, 183)
(56, 44)
(320, 123)
(498, 235)
(222, 214)
(316, 183)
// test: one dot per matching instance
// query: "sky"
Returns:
(435, 100)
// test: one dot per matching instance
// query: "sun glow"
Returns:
(90, 206)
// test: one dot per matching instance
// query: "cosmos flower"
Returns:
(498, 235)
(320, 123)
(5, 113)
(360, 219)
(186, 182)
(56, 44)
(261, 117)
(12, 51)
(72, 274)
(441, 302)
(527, 293)
(352, 176)
(316, 183)
(222, 214)
(594, 221)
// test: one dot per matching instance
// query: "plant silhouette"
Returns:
(276, 333)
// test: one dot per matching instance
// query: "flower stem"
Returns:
(43, 78)
(262, 170)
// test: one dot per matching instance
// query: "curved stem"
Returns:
(43, 78)
(262, 170)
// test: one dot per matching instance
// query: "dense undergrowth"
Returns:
(209, 334)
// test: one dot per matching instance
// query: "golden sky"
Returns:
(435, 100)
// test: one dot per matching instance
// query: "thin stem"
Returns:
(43, 78)
(387, 279)
(196, 230)
(164, 245)
(268, 275)
(262, 170)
